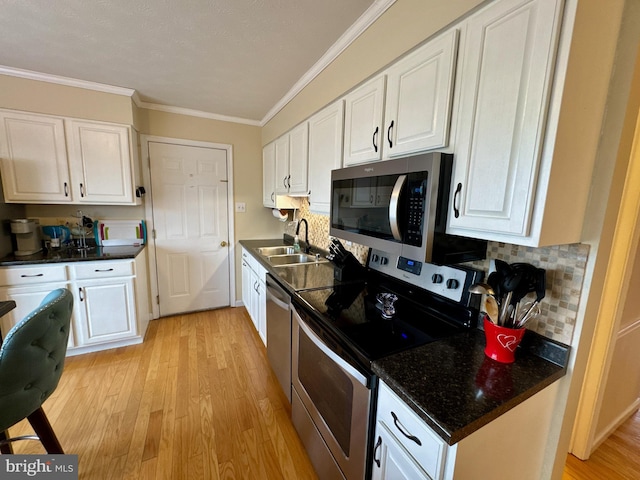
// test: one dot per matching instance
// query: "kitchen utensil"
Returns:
(491, 307)
(510, 282)
(482, 289)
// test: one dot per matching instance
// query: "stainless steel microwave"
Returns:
(400, 206)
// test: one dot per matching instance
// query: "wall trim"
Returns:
(67, 81)
(146, 172)
(613, 426)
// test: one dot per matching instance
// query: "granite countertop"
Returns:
(67, 254)
(451, 384)
(456, 389)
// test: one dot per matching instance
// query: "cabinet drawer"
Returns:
(33, 274)
(403, 423)
(103, 269)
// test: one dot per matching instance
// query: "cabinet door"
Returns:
(261, 312)
(101, 163)
(363, 123)
(282, 165)
(507, 63)
(418, 98)
(34, 159)
(254, 311)
(325, 154)
(269, 175)
(391, 461)
(27, 299)
(106, 310)
(299, 160)
(246, 284)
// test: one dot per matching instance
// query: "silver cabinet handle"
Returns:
(81, 190)
(103, 270)
(32, 276)
(80, 294)
(394, 205)
(66, 189)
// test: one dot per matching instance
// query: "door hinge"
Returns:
(158, 299)
(153, 233)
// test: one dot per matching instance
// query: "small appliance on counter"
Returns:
(28, 236)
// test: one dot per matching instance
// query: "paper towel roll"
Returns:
(280, 215)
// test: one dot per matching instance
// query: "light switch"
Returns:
(241, 207)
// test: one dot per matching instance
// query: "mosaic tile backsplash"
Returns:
(565, 266)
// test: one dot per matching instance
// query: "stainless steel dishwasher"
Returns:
(279, 333)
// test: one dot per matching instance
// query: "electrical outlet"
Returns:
(241, 207)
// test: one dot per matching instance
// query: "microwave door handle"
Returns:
(394, 205)
(331, 354)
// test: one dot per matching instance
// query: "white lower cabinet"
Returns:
(110, 299)
(391, 460)
(254, 292)
(105, 310)
(513, 445)
(404, 446)
(27, 299)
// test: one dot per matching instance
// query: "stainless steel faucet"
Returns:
(307, 248)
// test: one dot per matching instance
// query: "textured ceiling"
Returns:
(236, 58)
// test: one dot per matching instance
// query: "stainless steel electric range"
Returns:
(338, 332)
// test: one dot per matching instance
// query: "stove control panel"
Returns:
(444, 280)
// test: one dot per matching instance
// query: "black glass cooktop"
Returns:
(352, 313)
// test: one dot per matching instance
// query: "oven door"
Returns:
(335, 396)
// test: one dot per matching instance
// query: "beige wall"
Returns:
(403, 26)
(42, 97)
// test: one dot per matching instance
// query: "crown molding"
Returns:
(347, 38)
(67, 81)
(193, 113)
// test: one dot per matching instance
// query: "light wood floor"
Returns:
(196, 400)
(618, 458)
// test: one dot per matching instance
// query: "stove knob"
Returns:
(452, 283)
(375, 258)
(384, 260)
(436, 278)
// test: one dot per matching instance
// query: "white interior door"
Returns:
(189, 196)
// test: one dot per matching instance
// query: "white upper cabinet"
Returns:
(507, 61)
(101, 162)
(364, 108)
(269, 175)
(292, 160)
(325, 154)
(299, 160)
(34, 159)
(270, 198)
(418, 99)
(406, 109)
(47, 159)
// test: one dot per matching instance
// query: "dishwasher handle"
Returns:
(277, 294)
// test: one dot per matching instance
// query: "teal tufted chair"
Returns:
(31, 361)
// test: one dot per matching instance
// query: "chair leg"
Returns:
(42, 427)
(6, 448)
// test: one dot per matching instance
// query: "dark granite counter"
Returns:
(73, 255)
(456, 389)
(451, 384)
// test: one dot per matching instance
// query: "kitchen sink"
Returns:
(294, 259)
(268, 251)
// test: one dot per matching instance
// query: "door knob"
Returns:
(223, 243)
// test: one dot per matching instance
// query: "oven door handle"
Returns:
(331, 354)
(394, 205)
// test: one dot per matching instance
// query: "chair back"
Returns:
(32, 357)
